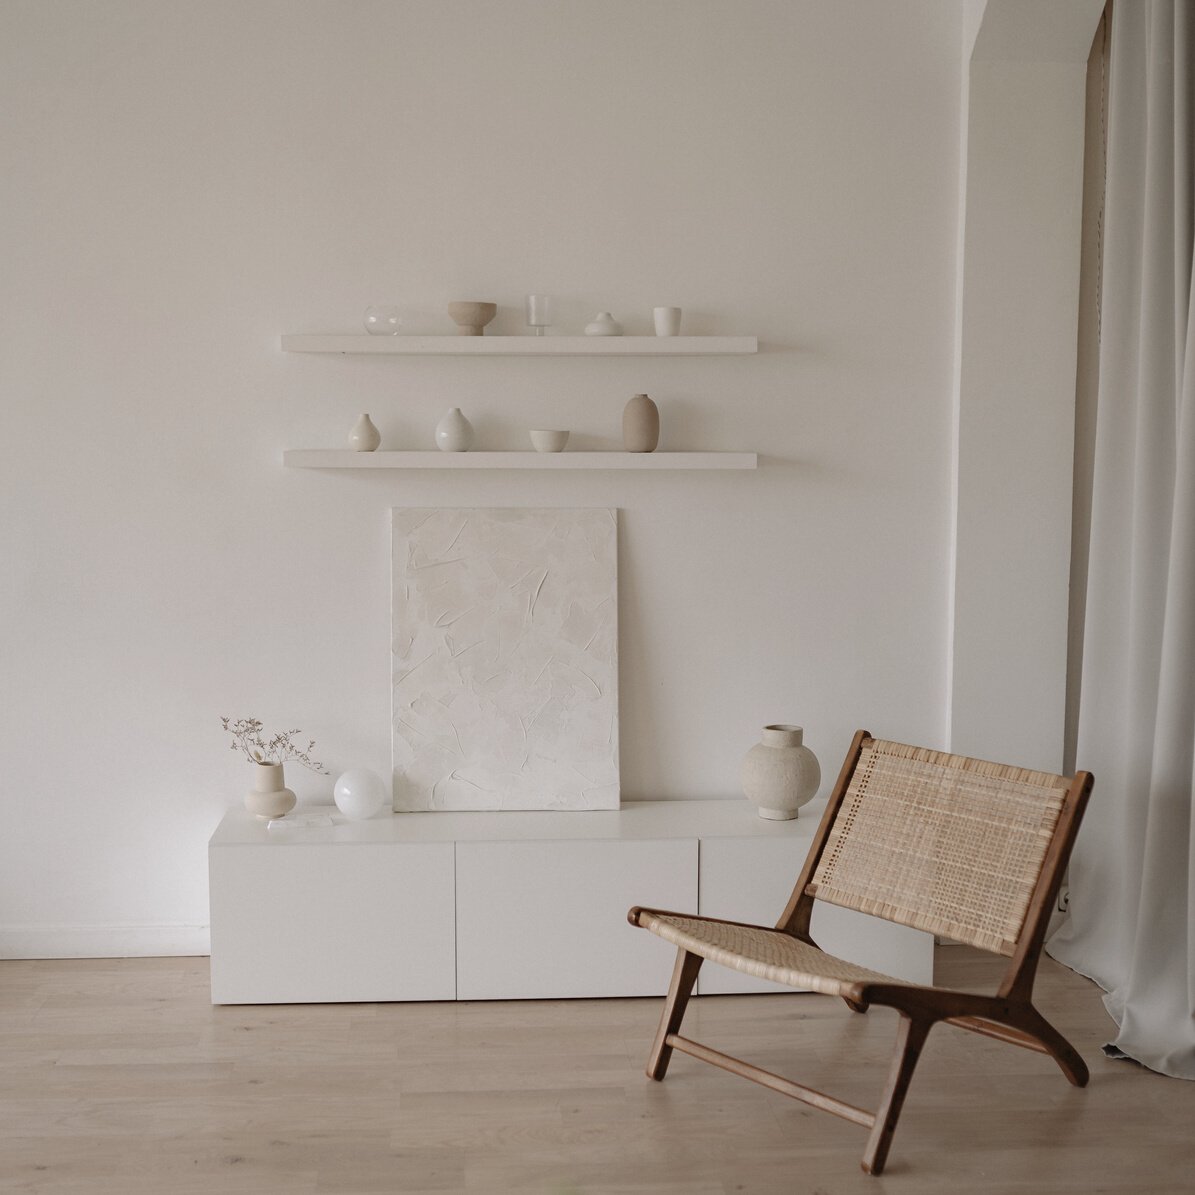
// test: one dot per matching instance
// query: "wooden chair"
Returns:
(971, 850)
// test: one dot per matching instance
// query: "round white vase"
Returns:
(780, 774)
(269, 797)
(364, 437)
(454, 433)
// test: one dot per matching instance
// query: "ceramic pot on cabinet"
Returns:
(269, 797)
(780, 774)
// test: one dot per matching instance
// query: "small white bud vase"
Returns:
(454, 433)
(364, 437)
(269, 797)
(780, 774)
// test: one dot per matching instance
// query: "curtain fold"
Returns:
(1131, 925)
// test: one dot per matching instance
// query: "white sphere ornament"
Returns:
(359, 794)
(780, 774)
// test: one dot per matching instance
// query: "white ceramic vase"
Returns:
(269, 797)
(364, 437)
(603, 324)
(780, 774)
(454, 433)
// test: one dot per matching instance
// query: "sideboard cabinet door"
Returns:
(297, 923)
(548, 919)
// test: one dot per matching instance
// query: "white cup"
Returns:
(667, 320)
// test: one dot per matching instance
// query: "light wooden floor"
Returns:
(119, 1076)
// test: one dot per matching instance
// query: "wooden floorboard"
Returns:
(118, 1076)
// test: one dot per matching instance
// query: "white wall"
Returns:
(1018, 298)
(182, 183)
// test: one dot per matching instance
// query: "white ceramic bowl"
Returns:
(549, 441)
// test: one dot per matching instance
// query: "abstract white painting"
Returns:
(505, 651)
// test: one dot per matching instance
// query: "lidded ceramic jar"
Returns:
(780, 774)
(603, 324)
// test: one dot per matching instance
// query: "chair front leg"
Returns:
(910, 1038)
(684, 976)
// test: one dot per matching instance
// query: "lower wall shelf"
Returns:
(337, 458)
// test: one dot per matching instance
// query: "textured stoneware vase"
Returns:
(454, 433)
(640, 425)
(780, 774)
(269, 797)
(364, 437)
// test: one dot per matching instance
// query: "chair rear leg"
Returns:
(910, 1038)
(1063, 1053)
(684, 976)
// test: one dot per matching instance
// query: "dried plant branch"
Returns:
(247, 738)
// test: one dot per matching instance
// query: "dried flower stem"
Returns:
(247, 738)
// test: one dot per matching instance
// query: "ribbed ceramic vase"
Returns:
(640, 425)
(269, 797)
(780, 774)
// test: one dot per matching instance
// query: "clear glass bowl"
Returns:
(383, 320)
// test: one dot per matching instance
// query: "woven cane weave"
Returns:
(764, 953)
(940, 842)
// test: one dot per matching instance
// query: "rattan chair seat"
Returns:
(764, 953)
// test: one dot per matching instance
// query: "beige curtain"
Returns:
(1131, 923)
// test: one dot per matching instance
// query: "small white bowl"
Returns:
(549, 441)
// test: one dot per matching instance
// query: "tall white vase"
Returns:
(780, 774)
(269, 797)
(454, 433)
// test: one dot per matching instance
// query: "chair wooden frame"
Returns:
(1008, 1016)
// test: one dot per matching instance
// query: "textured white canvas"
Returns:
(505, 654)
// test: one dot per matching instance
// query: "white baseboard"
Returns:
(102, 941)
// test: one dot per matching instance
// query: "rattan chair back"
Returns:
(940, 842)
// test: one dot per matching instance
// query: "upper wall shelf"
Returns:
(526, 346)
(339, 458)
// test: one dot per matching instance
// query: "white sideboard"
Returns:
(494, 906)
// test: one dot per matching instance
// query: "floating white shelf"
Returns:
(526, 346)
(338, 458)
